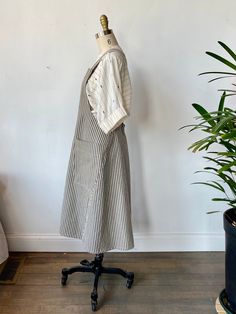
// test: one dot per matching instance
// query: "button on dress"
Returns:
(96, 205)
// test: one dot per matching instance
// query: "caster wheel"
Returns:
(129, 283)
(94, 306)
(63, 280)
(130, 280)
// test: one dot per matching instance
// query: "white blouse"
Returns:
(109, 90)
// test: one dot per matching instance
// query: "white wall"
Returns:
(46, 48)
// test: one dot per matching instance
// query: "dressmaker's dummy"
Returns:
(105, 39)
(109, 105)
(96, 205)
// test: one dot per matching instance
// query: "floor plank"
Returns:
(165, 283)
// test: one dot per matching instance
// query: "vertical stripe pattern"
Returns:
(96, 204)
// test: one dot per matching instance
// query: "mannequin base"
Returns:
(96, 268)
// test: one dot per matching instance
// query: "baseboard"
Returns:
(144, 242)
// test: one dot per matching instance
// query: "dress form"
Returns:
(109, 105)
(105, 41)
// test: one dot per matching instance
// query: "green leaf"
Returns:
(227, 167)
(197, 145)
(233, 55)
(204, 113)
(228, 154)
(230, 182)
(229, 110)
(219, 185)
(187, 126)
(229, 135)
(202, 127)
(220, 77)
(217, 72)
(206, 146)
(230, 95)
(221, 104)
(227, 90)
(220, 124)
(206, 172)
(209, 184)
(220, 199)
(228, 145)
(211, 168)
(214, 160)
(221, 59)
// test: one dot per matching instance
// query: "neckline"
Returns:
(102, 53)
(116, 47)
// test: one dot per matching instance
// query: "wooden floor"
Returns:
(165, 283)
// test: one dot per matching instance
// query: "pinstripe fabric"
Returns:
(96, 204)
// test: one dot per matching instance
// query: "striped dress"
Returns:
(96, 204)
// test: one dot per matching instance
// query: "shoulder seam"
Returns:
(120, 55)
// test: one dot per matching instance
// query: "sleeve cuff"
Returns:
(113, 120)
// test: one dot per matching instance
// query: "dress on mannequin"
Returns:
(97, 204)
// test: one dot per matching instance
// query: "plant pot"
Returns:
(228, 295)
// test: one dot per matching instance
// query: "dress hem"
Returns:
(113, 247)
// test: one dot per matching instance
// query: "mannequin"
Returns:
(96, 203)
(105, 39)
(111, 105)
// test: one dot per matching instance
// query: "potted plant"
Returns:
(219, 141)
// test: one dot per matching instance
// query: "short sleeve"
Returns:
(108, 90)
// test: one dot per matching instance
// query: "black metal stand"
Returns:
(97, 268)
